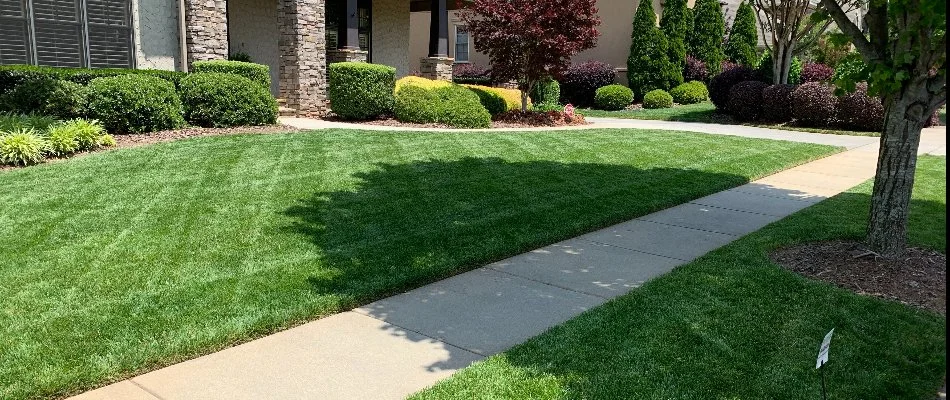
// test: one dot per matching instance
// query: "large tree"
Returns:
(676, 27)
(709, 27)
(906, 52)
(530, 40)
(743, 37)
(648, 65)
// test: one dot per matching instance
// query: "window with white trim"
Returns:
(66, 33)
(461, 43)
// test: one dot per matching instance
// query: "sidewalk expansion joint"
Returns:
(548, 283)
(145, 389)
(687, 227)
(635, 250)
(737, 210)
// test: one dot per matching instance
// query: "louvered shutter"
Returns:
(110, 33)
(58, 33)
(14, 33)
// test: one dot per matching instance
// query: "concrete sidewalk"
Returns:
(399, 345)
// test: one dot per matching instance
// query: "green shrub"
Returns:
(850, 70)
(219, 100)
(240, 56)
(767, 72)
(648, 64)
(613, 97)
(657, 99)
(22, 147)
(491, 100)
(13, 75)
(11, 122)
(548, 91)
(545, 107)
(58, 98)
(459, 107)
(743, 37)
(705, 42)
(62, 140)
(691, 92)
(675, 25)
(417, 105)
(258, 73)
(362, 90)
(89, 134)
(135, 104)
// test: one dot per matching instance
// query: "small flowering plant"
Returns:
(569, 111)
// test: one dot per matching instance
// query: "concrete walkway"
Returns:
(399, 345)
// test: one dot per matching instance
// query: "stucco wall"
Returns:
(155, 25)
(391, 35)
(253, 29)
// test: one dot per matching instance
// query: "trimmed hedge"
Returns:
(613, 97)
(691, 92)
(658, 98)
(416, 105)
(459, 107)
(814, 104)
(721, 84)
(13, 75)
(859, 111)
(360, 90)
(745, 100)
(57, 98)
(777, 103)
(258, 73)
(581, 81)
(815, 72)
(134, 104)
(512, 96)
(220, 100)
(547, 92)
(419, 81)
(490, 99)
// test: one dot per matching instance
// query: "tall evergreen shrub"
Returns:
(743, 37)
(708, 30)
(675, 26)
(648, 66)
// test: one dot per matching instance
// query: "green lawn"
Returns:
(732, 325)
(122, 261)
(706, 113)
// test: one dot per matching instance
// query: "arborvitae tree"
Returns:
(674, 25)
(648, 66)
(708, 29)
(743, 37)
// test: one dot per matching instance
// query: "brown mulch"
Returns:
(512, 119)
(918, 278)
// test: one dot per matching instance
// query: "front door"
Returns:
(336, 20)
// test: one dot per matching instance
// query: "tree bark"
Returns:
(782, 62)
(897, 163)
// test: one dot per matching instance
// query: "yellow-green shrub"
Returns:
(421, 82)
(512, 96)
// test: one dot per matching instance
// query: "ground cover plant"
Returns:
(28, 139)
(190, 246)
(732, 324)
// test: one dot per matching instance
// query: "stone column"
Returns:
(438, 65)
(303, 49)
(206, 30)
(348, 48)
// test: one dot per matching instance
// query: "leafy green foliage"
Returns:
(258, 73)
(11, 122)
(740, 48)
(220, 100)
(691, 92)
(658, 98)
(14, 75)
(851, 70)
(58, 98)
(613, 97)
(546, 91)
(418, 105)
(676, 23)
(649, 66)
(490, 99)
(705, 42)
(459, 107)
(22, 147)
(766, 71)
(361, 91)
(62, 140)
(240, 56)
(135, 104)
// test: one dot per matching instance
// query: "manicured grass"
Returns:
(706, 113)
(122, 261)
(733, 325)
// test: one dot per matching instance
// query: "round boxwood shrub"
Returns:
(52, 97)
(658, 98)
(580, 82)
(613, 97)
(134, 104)
(417, 105)
(547, 92)
(491, 100)
(813, 104)
(691, 92)
(721, 84)
(361, 90)
(859, 111)
(22, 147)
(217, 100)
(745, 100)
(258, 73)
(459, 107)
(777, 103)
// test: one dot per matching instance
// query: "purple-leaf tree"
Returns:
(530, 40)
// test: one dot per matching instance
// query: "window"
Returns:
(66, 33)
(461, 44)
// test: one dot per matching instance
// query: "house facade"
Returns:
(297, 39)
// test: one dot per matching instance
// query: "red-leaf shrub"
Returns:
(727, 65)
(695, 70)
(858, 111)
(581, 81)
(471, 74)
(745, 100)
(777, 103)
(721, 84)
(813, 104)
(815, 72)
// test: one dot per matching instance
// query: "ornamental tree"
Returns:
(906, 51)
(709, 27)
(529, 40)
(743, 37)
(649, 66)
(675, 27)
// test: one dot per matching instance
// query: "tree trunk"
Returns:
(782, 62)
(896, 165)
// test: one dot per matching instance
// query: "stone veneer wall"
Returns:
(303, 55)
(206, 30)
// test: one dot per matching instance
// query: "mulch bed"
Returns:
(919, 278)
(511, 119)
